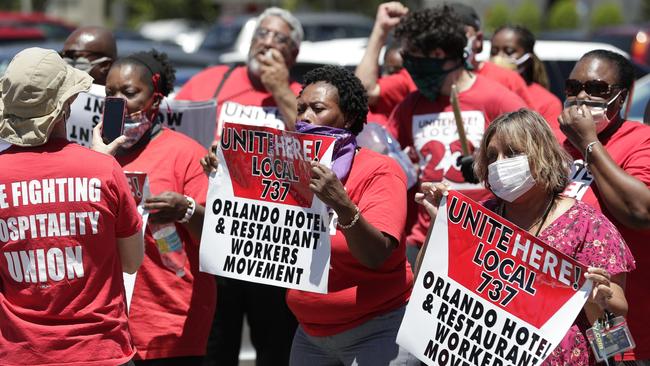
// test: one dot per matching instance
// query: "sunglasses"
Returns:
(594, 88)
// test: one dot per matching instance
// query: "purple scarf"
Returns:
(344, 147)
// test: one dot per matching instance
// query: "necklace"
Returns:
(540, 220)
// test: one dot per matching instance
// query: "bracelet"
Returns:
(190, 210)
(588, 150)
(357, 214)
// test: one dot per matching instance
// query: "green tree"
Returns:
(606, 14)
(144, 10)
(563, 15)
(529, 15)
(497, 16)
(645, 10)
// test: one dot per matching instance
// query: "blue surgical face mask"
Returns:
(428, 73)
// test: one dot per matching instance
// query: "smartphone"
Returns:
(113, 118)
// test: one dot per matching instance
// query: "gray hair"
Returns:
(296, 28)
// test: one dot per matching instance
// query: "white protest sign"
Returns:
(85, 114)
(488, 292)
(262, 222)
(139, 184)
(263, 116)
(581, 180)
(194, 119)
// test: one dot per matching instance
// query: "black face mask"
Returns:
(428, 73)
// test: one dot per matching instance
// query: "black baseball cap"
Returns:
(466, 14)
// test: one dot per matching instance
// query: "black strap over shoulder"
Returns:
(225, 77)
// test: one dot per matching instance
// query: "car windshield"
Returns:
(221, 37)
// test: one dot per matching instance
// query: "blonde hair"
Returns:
(528, 132)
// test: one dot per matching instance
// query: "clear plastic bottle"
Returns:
(170, 247)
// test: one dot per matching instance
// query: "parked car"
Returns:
(634, 39)
(639, 99)
(50, 28)
(233, 34)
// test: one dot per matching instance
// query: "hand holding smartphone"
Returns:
(113, 118)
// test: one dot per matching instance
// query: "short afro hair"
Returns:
(353, 99)
(438, 27)
(152, 62)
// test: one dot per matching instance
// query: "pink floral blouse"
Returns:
(586, 235)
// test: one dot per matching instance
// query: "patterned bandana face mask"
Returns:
(428, 74)
(135, 126)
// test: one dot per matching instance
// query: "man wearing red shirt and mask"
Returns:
(433, 41)
(258, 93)
(386, 92)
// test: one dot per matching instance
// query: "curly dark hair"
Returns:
(153, 62)
(353, 99)
(438, 27)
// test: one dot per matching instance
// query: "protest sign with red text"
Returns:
(262, 222)
(488, 292)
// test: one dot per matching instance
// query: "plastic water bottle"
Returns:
(170, 247)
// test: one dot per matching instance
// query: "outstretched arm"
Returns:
(388, 16)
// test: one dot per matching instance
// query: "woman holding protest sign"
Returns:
(370, 279)
(526, 169)
(173, 303)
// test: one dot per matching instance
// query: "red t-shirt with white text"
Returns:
(171, 316)
(238, 101)
(356, 294)
(546, 103)
(62, 207)
(430, 127)
(629, 147)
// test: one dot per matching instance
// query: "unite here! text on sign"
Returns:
(488, 292)
(262, 223)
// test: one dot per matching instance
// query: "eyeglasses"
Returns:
(262, 33)
(595, 88)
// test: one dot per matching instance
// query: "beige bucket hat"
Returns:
(33, 92)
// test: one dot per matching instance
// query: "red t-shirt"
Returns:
(430, 128)
(394, 88)
(238, 101)
(546, 103)
(62, 207)
(377, 185)
(629, 147)
(171, 316)
(392, 91)
(508, 78)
